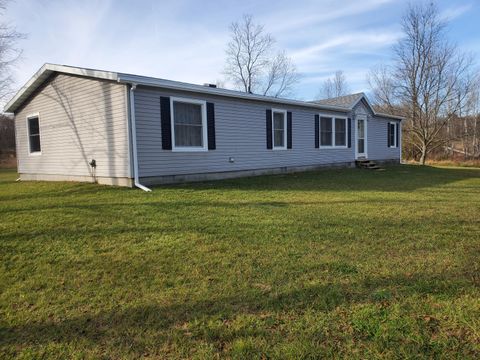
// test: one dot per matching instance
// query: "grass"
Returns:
(332, 264)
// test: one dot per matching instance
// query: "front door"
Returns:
(361, 146)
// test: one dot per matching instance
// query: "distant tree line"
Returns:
(7, 141)
(7, 134)
(9, 54)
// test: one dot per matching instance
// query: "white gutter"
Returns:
(400, 139)
(134, 139)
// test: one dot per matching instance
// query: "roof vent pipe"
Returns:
(210, 85)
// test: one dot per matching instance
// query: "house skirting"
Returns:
(387, 162)
(79, 178)
(172, 179)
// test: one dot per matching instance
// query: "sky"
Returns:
(185, 40)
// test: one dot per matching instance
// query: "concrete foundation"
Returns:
(172, 179)
(100, 180)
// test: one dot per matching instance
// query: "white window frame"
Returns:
(30, 116)
(333, 119)
(284, 112)
(203, 105)
(395, 124)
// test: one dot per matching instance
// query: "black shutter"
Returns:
(317, 131)
(397, 128)
(388, 135)
(166, 123)
(349, 134)
(289, 130)
(211, 126)
(269, 128)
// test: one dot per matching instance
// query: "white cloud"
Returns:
(358, 41)
(316, 12)
(454, 12)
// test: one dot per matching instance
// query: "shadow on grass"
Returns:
(401, 178)
(124, 326)
(170, 205)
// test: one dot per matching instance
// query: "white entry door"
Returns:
(361, 138)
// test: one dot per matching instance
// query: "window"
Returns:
(188, 125)
(392, 135)
(325, 131)
(279, 129)
(333, 132)
(340, 132)
(34, 134)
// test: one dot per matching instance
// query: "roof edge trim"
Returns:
(41, 75)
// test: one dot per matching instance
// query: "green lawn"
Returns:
(338, 263)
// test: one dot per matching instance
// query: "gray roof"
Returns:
(348, 101)
(46, 70)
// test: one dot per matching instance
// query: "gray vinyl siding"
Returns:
(240, 133)
(80, 119)
(377, 142)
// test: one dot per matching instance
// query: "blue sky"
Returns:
(185, 40)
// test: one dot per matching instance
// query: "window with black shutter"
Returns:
(279, 129)
(187, 124)
(279, 126)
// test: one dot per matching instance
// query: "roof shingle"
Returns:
(346, 101)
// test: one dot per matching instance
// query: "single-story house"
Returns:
(113, 128)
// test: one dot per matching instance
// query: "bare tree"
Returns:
(7, 141)
(9, 53)
(252, 63)
(382, 84)
(471, 119)
(334, 87)
(430, 79)
(7, 134)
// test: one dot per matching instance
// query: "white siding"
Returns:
(80, 119)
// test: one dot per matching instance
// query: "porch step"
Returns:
(367, 164)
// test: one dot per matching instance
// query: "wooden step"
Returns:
(367, 164)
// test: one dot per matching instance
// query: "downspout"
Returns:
(134, 139)
(400, 138)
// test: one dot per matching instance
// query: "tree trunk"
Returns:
(449, 147)
(465, 138)
(423, 156)
(474, 140)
